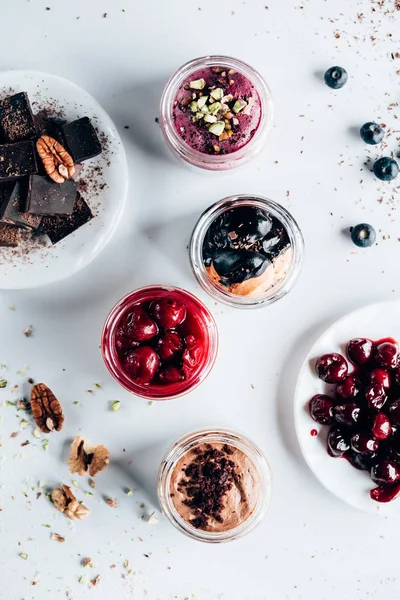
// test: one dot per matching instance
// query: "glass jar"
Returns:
(201, 320)
(214, 162)
(235, 441)
(268, 295)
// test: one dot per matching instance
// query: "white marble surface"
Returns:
(310, 545)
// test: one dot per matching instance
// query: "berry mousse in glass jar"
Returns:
(246, 251)
(159, 342)
(215, 112)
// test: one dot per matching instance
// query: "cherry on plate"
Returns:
(169, 346)
(381, 376)
(321, 409)
(363, 443)
(337, 442)
(394, 412)
(141, 364)
(381, 427)
(168, 313)
(385, 472)
(347, 414)
(396, 376)
(387, 355)
(172, 375)
(375, 396)
(359, 350)
(138, 325)
(362, 462)
(349, 388)
(331, 368)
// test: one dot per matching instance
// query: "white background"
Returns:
(310, 545)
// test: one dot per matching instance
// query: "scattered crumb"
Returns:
(111, 502)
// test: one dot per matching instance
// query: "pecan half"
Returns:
(56, 160)
(46, 409)
(65, 501)
(83, 458)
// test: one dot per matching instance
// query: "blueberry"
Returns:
(236, 266)
(372, 133)
(363, 235)
(246, 225)
(336, 77)
(386, 168)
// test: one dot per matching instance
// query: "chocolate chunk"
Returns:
(16, 119)
(58, 228)
(14, 211)
(81, 139)
(17, 160)
(9, 236)
(6, 190)
(49, 198)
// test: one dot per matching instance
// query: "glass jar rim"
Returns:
(201, 228)
(216, 435)
(212, 161)
(150, 392)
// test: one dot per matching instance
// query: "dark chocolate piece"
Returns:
(6, 190)
(58, 228)
(81, 139)
(9, 236)
(17, 160)
(49, 198)
(16, 119)
(14, 212)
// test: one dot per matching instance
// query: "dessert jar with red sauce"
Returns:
(159, 342)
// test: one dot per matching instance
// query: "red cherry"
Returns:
(168, 313)
(394, 412)
(359, 350)
(380, 376)
(138, 325)
(396, 376)
(331, 368)
(363, 443)
(172, 375)
(122, 342)
(193, 351)
(141, 364)
(337, 442)
(381, 427)
(387, 355)
(169, 345)
(349, 388)
(321, 409)
(386, 472)
(347, 414)
(375, 396)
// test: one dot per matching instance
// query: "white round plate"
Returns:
(106, 193)
(376, 321)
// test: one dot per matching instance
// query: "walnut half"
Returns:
(65, 501)
(85, 459)
(56, 160)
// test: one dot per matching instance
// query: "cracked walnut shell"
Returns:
(65, 501)
(56, 160)
(46, 409)
(86, 459)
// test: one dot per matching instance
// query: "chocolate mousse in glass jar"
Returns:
(246, 251)
(216, 112)
(214, 485)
